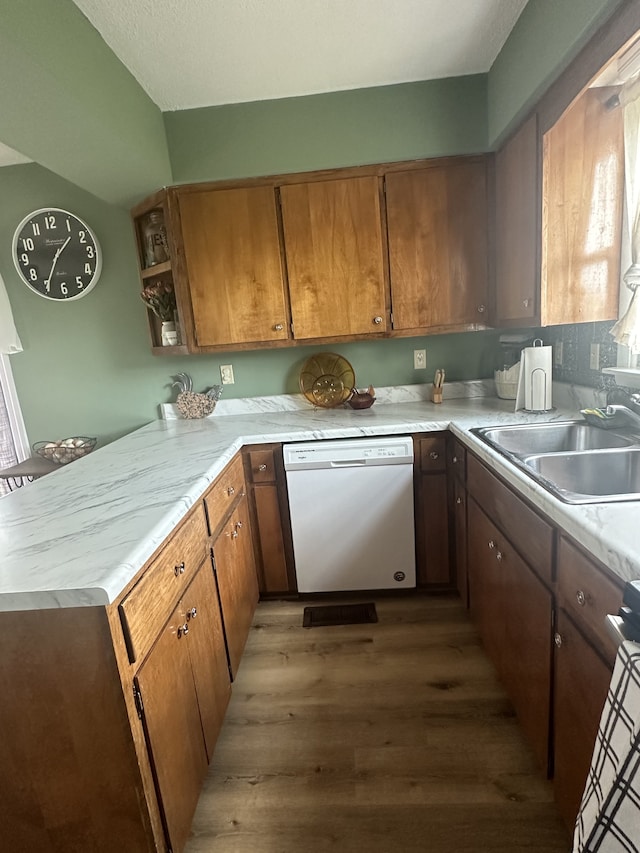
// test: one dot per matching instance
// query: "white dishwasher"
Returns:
(351, 505)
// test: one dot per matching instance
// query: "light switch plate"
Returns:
(226, 374)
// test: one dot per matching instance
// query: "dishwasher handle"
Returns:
(348, 463)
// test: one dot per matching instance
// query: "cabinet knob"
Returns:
(458, 501)
(481, 309)
(234, 534)
(557, 639)
(454, 459)
(499, 556)
(526, 303)
(239, 524)
(278, 327)
(262, 468)
(231, 491)
(179, 569)
(581, 598)
(434, 455)
(377, 321)
(491, 544)
(182, 630)
(191, 614)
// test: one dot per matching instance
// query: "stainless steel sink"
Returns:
(594, 476)
(527, 439)
(576, 462)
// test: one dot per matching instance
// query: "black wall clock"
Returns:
(56, 254)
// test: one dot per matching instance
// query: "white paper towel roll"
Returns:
(535, 381)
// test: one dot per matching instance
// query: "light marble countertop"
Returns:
(79, 535)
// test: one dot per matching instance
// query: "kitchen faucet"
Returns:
(625, 411)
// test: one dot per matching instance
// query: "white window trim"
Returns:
(18, 431)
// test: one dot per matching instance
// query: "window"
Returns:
(14, 446)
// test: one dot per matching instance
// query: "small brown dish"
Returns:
(361, 400)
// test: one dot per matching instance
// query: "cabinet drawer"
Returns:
(147, 607)
(530, 534)
(262, 465)
(458, 459)
(587, 594)
(221, 495)
(433, 453)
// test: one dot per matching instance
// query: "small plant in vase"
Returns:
(160, 297)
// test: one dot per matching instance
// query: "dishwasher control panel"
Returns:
(394, 450)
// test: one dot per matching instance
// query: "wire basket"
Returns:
(66, 450)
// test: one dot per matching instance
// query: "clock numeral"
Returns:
(87, 269)
(50, 222)
(27, 244)
(90, 252)
(33, 274)
(83, 236)
(64, 290)
(25, 259)
(68, 225)
(47, 285)
(79, 282)
(36, 228)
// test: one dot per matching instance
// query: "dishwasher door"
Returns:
(351, 505)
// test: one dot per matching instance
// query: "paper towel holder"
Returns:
(538, 374)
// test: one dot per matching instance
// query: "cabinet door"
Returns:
(234, 265)
(275, 577)
(207, 653)
(433, 566)
(583, 175)
(517, 228)
(335, 257)
(487, 599)
(173, 728)
(437, 225)
(580, 689)
(237, 581)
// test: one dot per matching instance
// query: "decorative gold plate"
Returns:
(326, 379)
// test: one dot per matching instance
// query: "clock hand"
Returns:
(55, 261)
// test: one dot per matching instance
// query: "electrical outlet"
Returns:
(594, 357)
(419, 359)
(558, 353)
(226, 374)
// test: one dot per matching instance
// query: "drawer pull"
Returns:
(434, 455)
(581, 598)
(191, 614)
(499, 556)
(239, 524)
(262, 467)
(454, 460)
(557, 639)
(234, 534)
(182, 630)
(458, 501)
(377, 321)
(231, 491)
(491, 544)
(179, 569)
(278, 327)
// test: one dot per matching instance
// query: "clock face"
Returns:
(56, 254)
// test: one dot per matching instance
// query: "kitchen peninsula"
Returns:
(85, 625)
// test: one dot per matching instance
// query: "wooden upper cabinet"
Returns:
(437, 225)
(335, 257)
(517, 230)
(234, 265)
(582, 191)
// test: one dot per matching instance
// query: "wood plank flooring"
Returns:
(378, 738)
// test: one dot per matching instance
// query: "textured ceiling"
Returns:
(193, 53)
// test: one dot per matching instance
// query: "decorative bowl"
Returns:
(361, 400)
(65, 450)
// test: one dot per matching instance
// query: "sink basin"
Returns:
(594, 476)
(561, 437)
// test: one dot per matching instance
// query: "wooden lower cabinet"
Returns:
(580, 688)
(434, 564)
(513, 611)
(271, 526)
(237, 580)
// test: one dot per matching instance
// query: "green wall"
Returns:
(412, 120)
(68, 103)
(546, 37)
(87, 368)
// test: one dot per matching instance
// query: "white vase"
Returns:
(169, 333)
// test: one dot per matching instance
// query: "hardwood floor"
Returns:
(388, 737)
